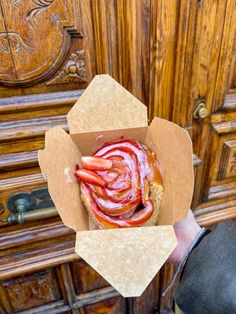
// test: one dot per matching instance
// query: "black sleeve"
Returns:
(208, 283)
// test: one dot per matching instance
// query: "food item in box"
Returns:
(121, 185)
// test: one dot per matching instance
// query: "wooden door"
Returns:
(197, 65)
(172, 55)
(49, 52)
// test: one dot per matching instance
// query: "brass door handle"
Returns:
(32, 215)
(200, 112)
(30, 206)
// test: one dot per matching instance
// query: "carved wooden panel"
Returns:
(111, 306)
(227, 167)
(149, 302)
(7, 70)
(30, 291)
(37, 37)
(20, 140)
(86, 278)
(224, 139)
(74, 70)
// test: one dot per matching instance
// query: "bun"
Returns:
(128, 192)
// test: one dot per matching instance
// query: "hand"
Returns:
(186, 231)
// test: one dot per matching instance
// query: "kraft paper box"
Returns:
(128, 258)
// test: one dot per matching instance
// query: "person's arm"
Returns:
(208, 280)
(186, 231)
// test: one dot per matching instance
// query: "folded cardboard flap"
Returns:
(57, 161)
(106, 105)
(88, 143)
(173, 149)
(127, 258)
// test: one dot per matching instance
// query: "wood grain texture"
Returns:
(227, 168)
(227, 56)
(66, 283)
(20, 182)
(85, 278)
(34, 102)
(18, 160)
(121, 42)
(26, 37)
(36, 259)
(32, 291)
(214, 213)
(149, 302)
(222, 191)
(230, 102)
(113, 306)
(206, 142)
(28, 235)
(129, 47)
(234, 77)
(183, 101)
(27, 128)
(6, 60)
(163, 35)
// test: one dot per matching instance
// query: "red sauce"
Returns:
(133, 166)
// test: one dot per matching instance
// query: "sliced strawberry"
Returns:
(90, 177)
(96, 163)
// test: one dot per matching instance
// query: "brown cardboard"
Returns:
(106, 105)
(106, 111)
(173, 149)
(58, 161)
(128, 258)
(88, 143)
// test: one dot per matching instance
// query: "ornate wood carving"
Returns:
(75, 70)
(227, 168)
(7, 69)
(36, 38)
(40, 6)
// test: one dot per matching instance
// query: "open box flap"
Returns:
(173, 148)
(127, 258)
(57, 162)
(106, 105)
